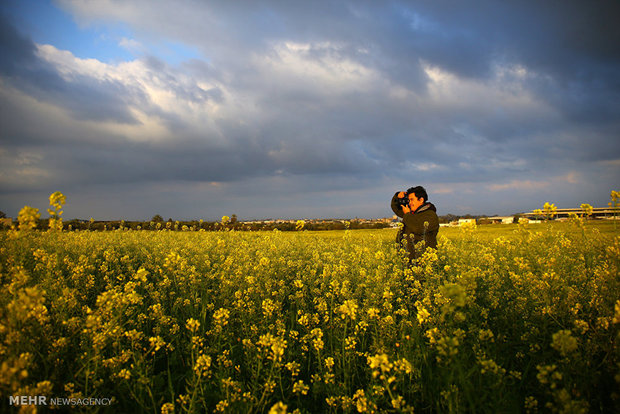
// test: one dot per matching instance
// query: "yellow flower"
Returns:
(221, 406)
(28, 218)
(300, 225)
(547, 374)
(485, 335)
(331, 401)
(423, 315)
(402, 365)
(372, 312)
(269, 307)
(192, 325)
(124, 374)
(304, 320)
(141, 275)
(380, 363)
(278, 408)
(361, 402)
(293, 367)
(167, 408)
(564, 342)
(582, 326)
(220, 318)
(432, 335)
(447, 346)
(202, 365)
(350, 343)
(488, 365)
(157, 342)
(57, 200)
(348, 308)
(587, 210)
(277, 346)
(398, 402)
(531, 404)
(317, 341)
(616, 318)
(549, 210)
(300, 388)
(469, 226)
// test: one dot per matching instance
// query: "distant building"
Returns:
(597, 212)
(501, 220)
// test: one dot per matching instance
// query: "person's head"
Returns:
(419, 192)
(417, 196)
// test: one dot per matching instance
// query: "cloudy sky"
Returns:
(299, 109)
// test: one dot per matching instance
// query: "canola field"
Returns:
(520, 318)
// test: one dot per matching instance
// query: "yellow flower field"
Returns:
(522, 320)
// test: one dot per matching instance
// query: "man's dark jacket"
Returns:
(418, 225)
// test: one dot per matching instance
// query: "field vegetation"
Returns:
(501, 318)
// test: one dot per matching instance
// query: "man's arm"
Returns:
(396, 207)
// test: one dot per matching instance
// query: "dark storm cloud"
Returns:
(560, 38)
(573, 47)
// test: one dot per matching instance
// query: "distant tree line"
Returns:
(158, 223)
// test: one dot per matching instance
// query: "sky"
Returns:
(307, 109)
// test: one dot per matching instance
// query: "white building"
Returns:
(502, 220)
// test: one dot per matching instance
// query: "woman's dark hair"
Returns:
(419, 192)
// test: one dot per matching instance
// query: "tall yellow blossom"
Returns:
(57, 200)
(549, 210)
(587, 210)
(28, 218)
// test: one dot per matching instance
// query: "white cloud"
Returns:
(543, 182)
(423, 166)
(69, 66)
(132, 45)
(611, 163)
(21, 169)
(520, 185)
(158, 91)
(318, 67)
(488, 96)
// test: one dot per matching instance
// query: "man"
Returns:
(420, 222)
